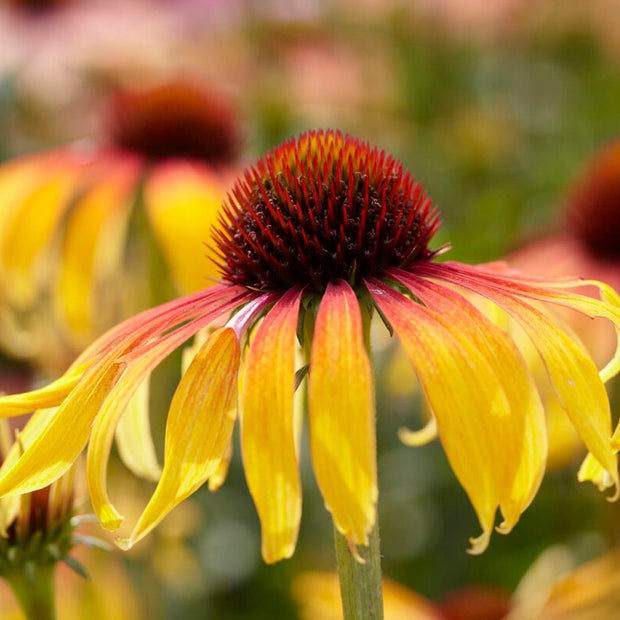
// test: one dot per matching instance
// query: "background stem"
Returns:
(35, 592)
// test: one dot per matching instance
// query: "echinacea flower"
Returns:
(73, 249)
(317, 236)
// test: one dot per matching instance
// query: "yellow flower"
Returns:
(317, 236)
(73, 256)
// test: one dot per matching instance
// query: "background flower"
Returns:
(91, 232)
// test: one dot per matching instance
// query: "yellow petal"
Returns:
(521, 437)
(61, 435)
(480, 434)
(594, 472)
(573, 375)
(267, 428)
(94, 240)
(137, 365)
(31, 229)
(546, 290)
(218, 477)
(342, 414)
(419, 438)
(48, 396)
(133, 436)
(18, 178)
(9, 506)
(199, 428)
(182, 200)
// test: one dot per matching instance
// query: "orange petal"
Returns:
(342, 414)
(267, 427)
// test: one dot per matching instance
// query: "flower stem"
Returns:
(35, 591)
(360, 583)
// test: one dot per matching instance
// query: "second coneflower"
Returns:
(315, 238)
(81, 226)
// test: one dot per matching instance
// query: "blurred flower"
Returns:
(319, 234)
(476, 602)
(73, 253)
(590, 592)
(37, 6)
(108, 592)
(57, 54)
(586, 243)
(318, 597)
(36, 532)
(554, 588)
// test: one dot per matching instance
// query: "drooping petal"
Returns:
(419, 438)
(573, 375)
(592, 471)
(199, 428)
(140, 362)
(53, 449)
(548, 290)
(218, 477)
(30, 231)
(133, 436)
(9, 506)
(182, 200)
(49, 396)
(93, 244)
(466, 398)
(267, 427)
(524, 427)
(342, 414)
(156, 320)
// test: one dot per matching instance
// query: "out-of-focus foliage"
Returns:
(494, 112)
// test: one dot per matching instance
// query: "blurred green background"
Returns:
(495, 112)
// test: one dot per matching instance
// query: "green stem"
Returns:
(35, 591)
(360, 584)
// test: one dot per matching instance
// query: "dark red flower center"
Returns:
(37, 7)
(177, 119)
(594, 209)
(322, 207)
